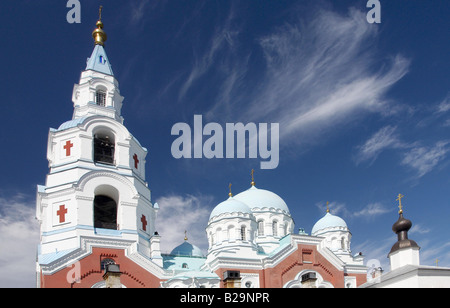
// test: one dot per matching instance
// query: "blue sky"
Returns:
(364, 110)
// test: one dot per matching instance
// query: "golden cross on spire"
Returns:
(253, 179)
(100, 13)
(437, 261)
(399, 199)
(230, 193)
(328, 208)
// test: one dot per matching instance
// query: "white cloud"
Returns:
(372, 210)
(418, 228)
(336, 208)
(444, 106)
(183, 213)
(384, 139)
(421, 159)
(340, 209)
(319, 74)
(424, 159)
(19, 237)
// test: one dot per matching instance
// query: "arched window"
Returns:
(275, 228)
(104, 146)
(100, 97)
(231, 233)
(105, 262)
(342, 243)
(243, 235)
(211, 236)
(105, 212)
(260, 228)
(219, 235)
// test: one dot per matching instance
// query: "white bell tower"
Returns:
(95, 190)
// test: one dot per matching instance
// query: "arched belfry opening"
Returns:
(100, 97)
(105, 212)
(104, 148)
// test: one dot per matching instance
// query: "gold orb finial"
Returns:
(230, 193)
(328, 208)
(98, 34)
(185, 235)
(253, 178)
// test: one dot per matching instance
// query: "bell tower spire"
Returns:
(98, 90)
(95, 193)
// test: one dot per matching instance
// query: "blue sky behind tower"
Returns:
(363, 109)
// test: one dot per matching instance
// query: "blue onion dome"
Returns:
(187, 250)
(261, 198)
(231, 205)
(328, 221)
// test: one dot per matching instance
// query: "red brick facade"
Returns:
(133, 276)
(306, 257)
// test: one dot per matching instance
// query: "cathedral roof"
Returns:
(195, 275)
(72, 123)
(328, 221)
(99, 61)
(261, 198)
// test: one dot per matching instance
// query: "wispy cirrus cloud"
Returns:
(321, 75)
(420, 158)
(140, 9)
(372, 210)
(220, 55)
(423, 159)
(444, 106)
(385, 138)
(311, 75)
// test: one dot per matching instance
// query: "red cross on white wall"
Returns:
(136, 161)
(62, 213)
(67, 147)
(144, 223)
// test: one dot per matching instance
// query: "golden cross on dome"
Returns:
(437, 261)
(399, 199)
(253, 179)
(185, 235)
(230, 193)
(328, 208)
